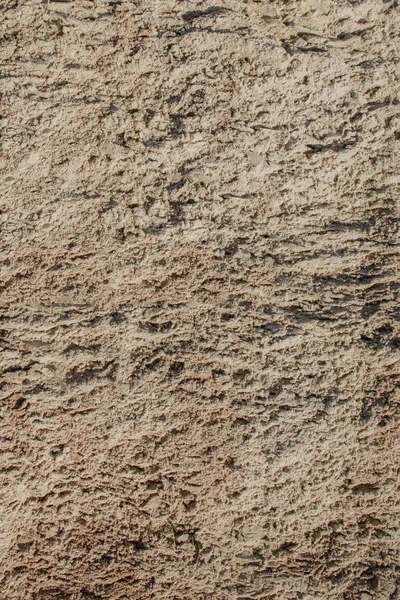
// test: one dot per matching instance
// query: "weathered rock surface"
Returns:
(200, 326)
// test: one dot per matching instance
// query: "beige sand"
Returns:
(200, 328)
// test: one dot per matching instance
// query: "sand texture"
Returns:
(200, 322)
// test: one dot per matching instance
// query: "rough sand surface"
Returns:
(200, 326)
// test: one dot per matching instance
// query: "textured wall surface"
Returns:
(200, 327)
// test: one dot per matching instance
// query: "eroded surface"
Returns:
(200, 319)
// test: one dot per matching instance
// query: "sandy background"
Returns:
(200, 326)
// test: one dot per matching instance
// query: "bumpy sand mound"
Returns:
(200, 332)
